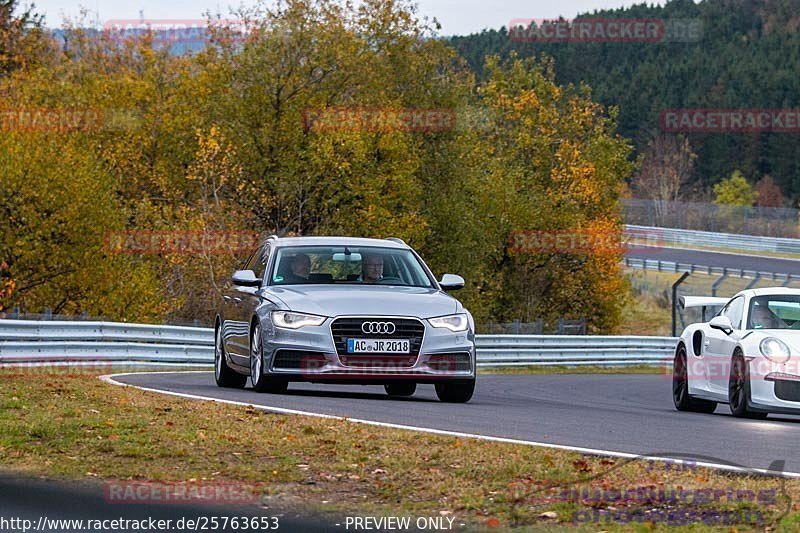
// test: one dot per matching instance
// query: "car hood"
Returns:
(789, 336)
(341, 300)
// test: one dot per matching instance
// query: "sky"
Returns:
(457, 17)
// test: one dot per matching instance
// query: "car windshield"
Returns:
(774, 312)
(354, 265)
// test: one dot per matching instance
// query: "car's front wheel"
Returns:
(223, 374)
(400, 389)
(455, 391)
(261, 382)
(739, 389)
(680, 387)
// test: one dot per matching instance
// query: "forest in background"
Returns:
(217, 141)
(747, 56)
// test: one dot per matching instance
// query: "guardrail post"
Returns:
(675, 300)
(719, 281)
(755, 280)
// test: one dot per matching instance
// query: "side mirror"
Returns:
(721, 323)
(245, 278)
(451, 282)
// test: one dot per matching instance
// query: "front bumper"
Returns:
(310, 354)
(774, 387)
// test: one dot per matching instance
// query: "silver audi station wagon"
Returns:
(343, 310)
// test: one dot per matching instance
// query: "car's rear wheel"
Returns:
(261, 382)
(455, 391)
(680, 387)
(739, 389)
(223, 374)
(400, 389)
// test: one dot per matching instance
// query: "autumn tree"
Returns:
(555, 165)
(21, 36)
(733, 196)
(734, 191)
(666, 167)
(767, 193)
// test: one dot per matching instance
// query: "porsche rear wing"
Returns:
(702, 301)
(705, 303)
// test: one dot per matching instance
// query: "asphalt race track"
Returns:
(716, 259)
(619, 413)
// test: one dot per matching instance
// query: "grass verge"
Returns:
(77, 427)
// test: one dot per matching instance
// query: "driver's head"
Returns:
(372, 268)
(762, 318)
(301, 265)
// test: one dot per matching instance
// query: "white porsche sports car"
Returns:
(747, 356)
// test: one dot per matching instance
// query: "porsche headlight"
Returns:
(775, 350)
(291, 320)
(452, 322)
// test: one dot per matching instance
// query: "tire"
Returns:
(258, 380)
(400, 389)
(680, 387)
(223, 374)
(455, 391)
(739, 389)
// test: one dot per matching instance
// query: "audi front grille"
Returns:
(351, 328)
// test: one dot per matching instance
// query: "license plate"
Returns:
(378, 346)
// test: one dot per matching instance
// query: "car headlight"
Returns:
(291, 320)
(451, 322)
(775, 350)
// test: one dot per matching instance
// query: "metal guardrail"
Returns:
(748, 220)
(685, 237)
(525, 350)
(66, 343)
(36, 330)
(671, 266)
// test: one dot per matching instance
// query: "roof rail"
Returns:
(271, 237)
(395, 239)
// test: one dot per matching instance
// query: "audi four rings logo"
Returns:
(381, 328)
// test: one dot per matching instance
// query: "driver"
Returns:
(301, 266)
(763, 318)
(372, 269)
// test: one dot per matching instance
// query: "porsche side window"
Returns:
(734, 311)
